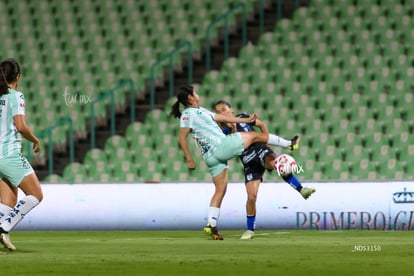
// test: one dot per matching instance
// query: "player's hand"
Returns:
(233, 128)
(37, 148)
(231, 125)
(252, 117)
(191, 164)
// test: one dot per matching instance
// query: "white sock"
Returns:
(23, 206)
(4, 211)
(213, 216)
(278, 141)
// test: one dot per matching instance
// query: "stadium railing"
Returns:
(170, 57)
(111, 93)
(225, 17)
(237, 6)
(48, 133)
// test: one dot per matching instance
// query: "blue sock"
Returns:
(251, 222)
(293, 181)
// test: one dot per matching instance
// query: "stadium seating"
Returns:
(96, 164)
(341, 74)
(75, 173)
(85, 48)
(349, 84)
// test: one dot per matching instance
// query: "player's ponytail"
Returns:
(4, 87)
(9, 70)
(175, 110)
(182, 97)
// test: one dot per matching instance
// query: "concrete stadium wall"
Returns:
(173, 206)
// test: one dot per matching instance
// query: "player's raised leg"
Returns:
(293, 181)
(272, 139)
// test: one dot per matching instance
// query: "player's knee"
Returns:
(270, 161)
(10, 202)
(38, 195)
(252, 199)
(220, 192)
(255, 137)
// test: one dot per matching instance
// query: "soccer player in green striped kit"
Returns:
(216, 147)
(15, 170)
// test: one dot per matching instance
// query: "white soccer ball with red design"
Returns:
(285, 164)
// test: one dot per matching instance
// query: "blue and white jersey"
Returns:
(204, 130)
(241, 127)
(11, 104)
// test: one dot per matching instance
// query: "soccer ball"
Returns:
(285, 164)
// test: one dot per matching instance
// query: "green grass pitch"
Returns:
(271, 252)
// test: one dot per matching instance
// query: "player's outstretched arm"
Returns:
(262, 126)
(227, 119)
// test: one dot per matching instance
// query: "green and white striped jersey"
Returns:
(11, 104)
(204, 129)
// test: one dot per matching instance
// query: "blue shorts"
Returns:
(14, 168)
(231, 146)
(253, 159)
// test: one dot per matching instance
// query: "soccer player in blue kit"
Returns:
(256, 159)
